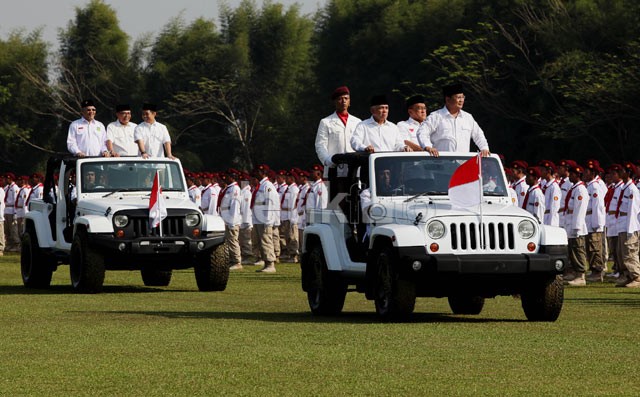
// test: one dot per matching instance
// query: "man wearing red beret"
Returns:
(611, 207)
(520, 186)
(534, 199)
(596, 217)
(575, 225)
(12, 239)
(628, 229)
(552, 193)
(2, 240)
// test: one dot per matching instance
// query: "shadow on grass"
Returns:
(64, 289)
(304, 317)
(631, 303)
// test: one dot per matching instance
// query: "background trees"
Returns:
(545, 78)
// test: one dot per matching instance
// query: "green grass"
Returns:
(258, 338)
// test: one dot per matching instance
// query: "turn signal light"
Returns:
(120, 233)
(196, 232)
(531, 247)
(434, 247)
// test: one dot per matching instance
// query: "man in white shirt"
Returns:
(378, 134)
(151, 136)
(552, 193)
(317, 196)
(596, 218)
(451, 129)
(2, 193)
(12, 239)
(230, 201)
(87, 136)
(246, 226)
(520, 185)
(263, 204)
(417, 109)
(289, 218)
(533, 200)
(628, 226)
(575, 225)
(120, 141)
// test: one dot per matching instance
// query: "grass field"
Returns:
(258, 338)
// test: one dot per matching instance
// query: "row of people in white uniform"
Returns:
(14, 205)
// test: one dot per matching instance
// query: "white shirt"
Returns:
(213, 192)
(245, 207)
(447, 133)
(266, 203)
(574, 218)
(629, 209)
(2, 194)
(318, 197)
(596, 216)
(333, 137)
(289, 200)
(87, 137)
(23, 193)
(302, 204)
(552, 194)
(37, 192)
(611, 220)
(521, 188)
(230, 205)
(121, 136)
(195, 195)
(409, 130)
(534, 202)
(154, 137)
(205, 198)
(383, 137)
(11, 194)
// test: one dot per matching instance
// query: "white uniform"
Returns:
(611, 221)
(565, 186)
(383, 137)
(409, 130)
(521, 188)
(230, 205)
(21, 199)
(552, 195)
(289, 203)
(451, 134)
(154, 137)
(575, 214)
(11, 193)
(334, 137)
(534, 202)
(87, 137)
(302, 206)
(37, 192)
(596, 215)
(245, 207)
(318, 197)
(213, 192)
(266, 203)
(629, 201)
(121, 136)
(195, 195)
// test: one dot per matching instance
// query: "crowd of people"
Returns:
(265, 210)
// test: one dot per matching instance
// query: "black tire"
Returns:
(35, 266)
(212, 269)
(465, 304)
(542, 300)
(394, 297)
(86, 267)
(156, 278)
(327, 291)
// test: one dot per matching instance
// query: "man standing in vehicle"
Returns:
(87, 136)
(151, 136)
(378, 134)
(120, 141)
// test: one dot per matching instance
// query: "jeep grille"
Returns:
(171, 227)
(496, 236)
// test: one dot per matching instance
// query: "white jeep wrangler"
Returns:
(412, 242)
(97, 218)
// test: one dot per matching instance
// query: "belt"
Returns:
(225, 208)
(259, 203)
(589, 212)
(547, 211)
(623, 214)
(611, 213)
(569, 212)
(561, 209)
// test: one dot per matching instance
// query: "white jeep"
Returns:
(412, 242)
(96, 218)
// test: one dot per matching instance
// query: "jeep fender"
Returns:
(212, 223)
(550, 235)
(399, 235)
(323, 233)
(40, 222)
(94, 223)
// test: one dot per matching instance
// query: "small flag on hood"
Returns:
(157, 208)
(465, 189)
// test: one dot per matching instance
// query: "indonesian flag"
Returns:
(465, 189)
(157, 208)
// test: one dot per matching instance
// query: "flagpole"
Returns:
(481, 227)
(159, 194)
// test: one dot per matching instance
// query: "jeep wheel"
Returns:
(395, 298)
(465, 304)
(35, 266)
(155, 278)
(212, 269)
(542, 299)
(326, 292)
(87, 266)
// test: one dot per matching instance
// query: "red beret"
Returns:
(10, 175)
(533, 171)
(630, 167)
(568, 163)
(317, 167)
(614, 167)
(576, 169)
(592, 164)
(519, 164)
(547, 164)
(340, 91)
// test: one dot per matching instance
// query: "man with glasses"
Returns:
(120, 140)
(417, 109)
(87, 136)
(450, 129)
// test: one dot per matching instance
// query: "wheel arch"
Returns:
(40, 225)
(322, 235)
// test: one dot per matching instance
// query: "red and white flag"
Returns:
(157, 208)
(465, 189)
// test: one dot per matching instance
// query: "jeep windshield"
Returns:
(129, 176)
(415, 176)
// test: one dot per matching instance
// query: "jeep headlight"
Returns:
(435, 229)
(120, 220)
(192, 220)
(526, 229)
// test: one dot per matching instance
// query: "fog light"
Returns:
(531, 247)
(200, 245)
(120, 233)
(196, 232)
(559, 265)
(434, 247)
(417, 265)
(122, 246)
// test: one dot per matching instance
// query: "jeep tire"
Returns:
(212, 269)
(35, 266)
(466, 304)
(395, 297)
(87, 266)
(542, 299)
(155, 278)
(327, 291)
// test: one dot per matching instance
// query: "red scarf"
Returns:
(566, 200)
